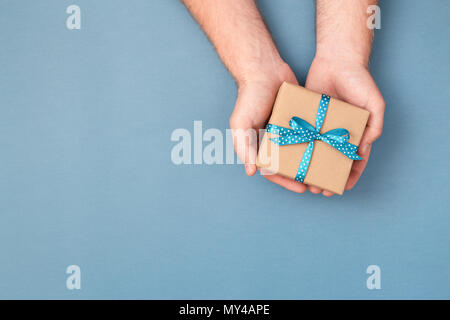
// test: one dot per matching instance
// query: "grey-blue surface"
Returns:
(86, 176)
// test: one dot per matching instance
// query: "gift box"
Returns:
(312, 138)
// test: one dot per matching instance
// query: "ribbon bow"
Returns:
(302, 132)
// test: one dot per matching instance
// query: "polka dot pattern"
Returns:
(322, 111)
(302, 132)
(304, 164)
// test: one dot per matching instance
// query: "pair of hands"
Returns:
(245, 46)
(346, 80)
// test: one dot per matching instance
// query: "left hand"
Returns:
(256, 95)
(352, 83)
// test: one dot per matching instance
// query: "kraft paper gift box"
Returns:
(329, 167)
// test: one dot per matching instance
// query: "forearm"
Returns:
(237, 31)
(341, 30)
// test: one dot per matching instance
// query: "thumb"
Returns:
(245, 142)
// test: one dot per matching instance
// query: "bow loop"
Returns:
(301, 126)
(339, 135)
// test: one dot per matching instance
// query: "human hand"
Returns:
(256, 95)
(245, 46)
(351, 82)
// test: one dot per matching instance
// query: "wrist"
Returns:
(272, 72)
(333, 71)
(343, 52)
(341, 31)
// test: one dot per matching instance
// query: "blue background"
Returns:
(86, 177)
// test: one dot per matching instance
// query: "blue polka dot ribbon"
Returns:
(302, 132)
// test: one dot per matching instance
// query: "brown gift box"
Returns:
(329, 169)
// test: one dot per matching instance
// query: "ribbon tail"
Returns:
(346, 148)
(304, 164)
